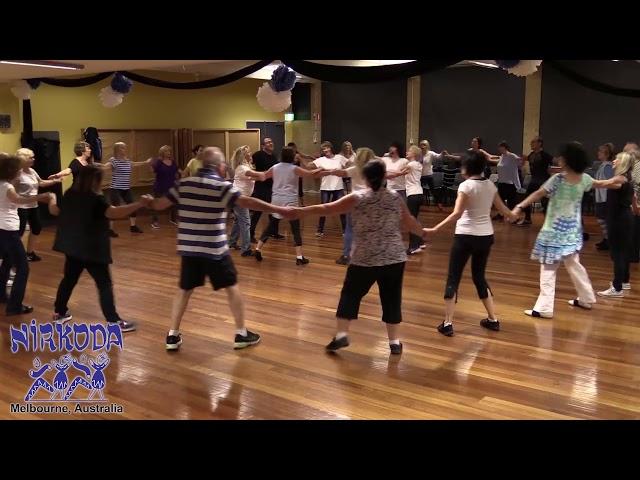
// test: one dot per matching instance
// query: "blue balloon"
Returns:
(507, 64)
(121, 84)
(282, 79)
(33, 83)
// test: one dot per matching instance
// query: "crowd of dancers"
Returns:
(377, 199)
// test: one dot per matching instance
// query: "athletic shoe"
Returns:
(174, 342)
(446, 330)
(533, 313)
(244, 341)
(337, 344)
(490, 325)
(62, 318)
(611, 292)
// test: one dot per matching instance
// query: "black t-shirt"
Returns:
(539, 163)
(263, 162)
(83, 228)
(75, 167)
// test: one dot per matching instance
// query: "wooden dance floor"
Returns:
(581, 364)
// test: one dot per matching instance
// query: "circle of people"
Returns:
(387, 193)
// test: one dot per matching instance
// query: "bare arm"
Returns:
(60, 174)
(113, 213)
(402, 172)
(302, 172)
(259, 176)
(344, 205)
(502, 208)
(48, 183)
(161, 203)
(23, 200)
(53, 206)
(458, 210)
(255, 204)
(534, 197)
(613, 183)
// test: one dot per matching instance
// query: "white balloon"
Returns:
(110, 98)
(21, 89)
(525, 68)
(271, 100)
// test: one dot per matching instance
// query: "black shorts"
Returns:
(359, 280)
(32, 216)
(222, 273)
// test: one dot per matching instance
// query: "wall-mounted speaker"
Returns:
(5, 121)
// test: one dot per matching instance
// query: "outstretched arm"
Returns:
(458, 210)
(343, 205)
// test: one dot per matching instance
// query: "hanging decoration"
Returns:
(275, 95)
(23, 89)
(519, 68)
(112, 96)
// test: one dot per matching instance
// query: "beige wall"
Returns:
(10, 105)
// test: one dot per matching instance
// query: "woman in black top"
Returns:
(620, 199)
(539, 164)
(83, 236)
(82, 150)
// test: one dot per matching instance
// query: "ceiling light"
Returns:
(44, 64)
(483, 64)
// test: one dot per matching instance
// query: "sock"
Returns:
(174, 332)
(340, 335)
(394, 342)
(447, 323)
(299, 257)
(242, 332)
(492, 319)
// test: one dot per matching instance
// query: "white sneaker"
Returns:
(10, 282)
(611, 292)
(423, 246)
(626, 286)
(533, 313)
(578, 303)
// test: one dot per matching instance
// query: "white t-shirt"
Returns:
(414, 187)
(242, 182)
(349, 160)
(476, 219)
(28, 186)
(427, 162)
(9, 219)
(357, 181)
(396, 165)
(331, 182)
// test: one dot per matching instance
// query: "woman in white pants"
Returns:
(560, 238)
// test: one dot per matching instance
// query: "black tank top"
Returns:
(619, 201)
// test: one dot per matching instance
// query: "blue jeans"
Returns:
(241, 227)
(348, 238)
(13, 255)
(327, 196)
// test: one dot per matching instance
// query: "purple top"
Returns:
(165, 176)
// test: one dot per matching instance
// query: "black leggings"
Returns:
(620, 237)
(533, 187)
(508, 193)
(465, 246)
(119, 196)
(272, 229)
(73, 268)
(414, 202)
(327, 196)
(265, 196)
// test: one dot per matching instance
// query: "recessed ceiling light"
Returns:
(44, 64)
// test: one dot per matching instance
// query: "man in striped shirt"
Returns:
(203, 201)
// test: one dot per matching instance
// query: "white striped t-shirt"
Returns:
(202, 202)
(121, 173)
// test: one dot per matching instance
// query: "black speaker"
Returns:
(301, 101)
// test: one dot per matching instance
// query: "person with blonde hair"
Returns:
(415, 194)
(11, 249)
(242, 166)
(167, 172)
(27, 185)
(620, 201)
(347, 152)
(120, 192)
(429, 159)
(606, 156)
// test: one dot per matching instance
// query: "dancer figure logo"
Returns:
(69, 378)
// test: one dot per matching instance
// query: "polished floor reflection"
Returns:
(578, 365)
